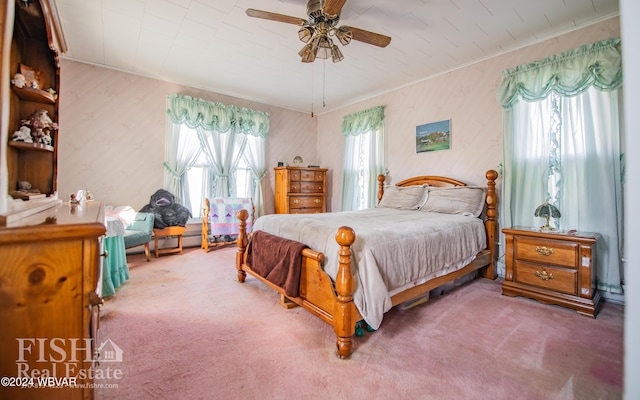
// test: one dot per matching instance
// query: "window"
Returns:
(198, 180)
(213, 150)
(363, 158)
(563, 143)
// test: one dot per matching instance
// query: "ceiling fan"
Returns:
(322, 24)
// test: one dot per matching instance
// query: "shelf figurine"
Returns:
(22, 135)
(19, 80)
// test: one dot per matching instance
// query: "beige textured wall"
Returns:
(467, 96)
(112, 133)
(112, 125)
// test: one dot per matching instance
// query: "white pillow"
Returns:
(404, 197)
(456, 200)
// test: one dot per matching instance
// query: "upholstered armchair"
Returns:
(138, 232)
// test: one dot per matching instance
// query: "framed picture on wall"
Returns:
(433, 136)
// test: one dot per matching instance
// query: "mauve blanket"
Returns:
(276, 259)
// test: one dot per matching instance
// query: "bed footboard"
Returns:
(333, 303)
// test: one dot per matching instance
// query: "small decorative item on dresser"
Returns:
(297, 161)
(547, 210)
(552, 267)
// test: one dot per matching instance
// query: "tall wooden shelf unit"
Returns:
(36, 41)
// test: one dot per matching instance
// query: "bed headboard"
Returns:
(491, 213)
(431, 180)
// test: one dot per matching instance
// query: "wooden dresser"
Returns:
(554, 268)
(50, 287)
(300, 190)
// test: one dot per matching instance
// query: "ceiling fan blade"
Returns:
(333, 7)
(373, 38)
(275, 17)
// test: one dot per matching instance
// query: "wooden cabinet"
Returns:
(50, 291)
(36, 42)
(300, 190)
(555, 268)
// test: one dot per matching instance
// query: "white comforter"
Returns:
(394, 249)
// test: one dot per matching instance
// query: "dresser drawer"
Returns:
(311, 176)
(561, 280)
(306, 202)
(306, 210)
(547, 251)
(311, 187)
(295, 175)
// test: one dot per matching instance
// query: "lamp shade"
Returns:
(297, 160)
(305, 34)
(547, 210)
(324, 47)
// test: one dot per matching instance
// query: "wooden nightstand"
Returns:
(554, 268)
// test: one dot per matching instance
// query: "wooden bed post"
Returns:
(491, 223)
(380, 187)
(345, 313)
(242, 241)
(204, 244)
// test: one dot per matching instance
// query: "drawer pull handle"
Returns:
(317, 201)
(544, 275)
(296, 201)
(544, 250)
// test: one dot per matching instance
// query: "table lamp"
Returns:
(547, 210)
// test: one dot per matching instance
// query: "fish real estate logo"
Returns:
(60, 362)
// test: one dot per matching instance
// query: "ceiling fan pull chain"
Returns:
(312, 87)
(324, 81)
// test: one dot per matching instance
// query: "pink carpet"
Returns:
(189, 330)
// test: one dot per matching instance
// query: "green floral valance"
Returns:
(569, 73)
(216, 116)
(363, 121)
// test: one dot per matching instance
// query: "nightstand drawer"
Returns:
(557, 279)
(547, 251)
(306, 202)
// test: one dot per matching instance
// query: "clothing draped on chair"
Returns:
(563, 142)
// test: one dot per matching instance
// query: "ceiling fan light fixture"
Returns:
(305, 33)
(324, 47)
(307, 54)
(336, 54)
(344, 35)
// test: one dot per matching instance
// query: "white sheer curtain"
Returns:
(182, 148)
(253, 153)
(220, 133)
(565, 144)
(363, 158)
(223, 150)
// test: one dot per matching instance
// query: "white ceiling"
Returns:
(214, 45)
